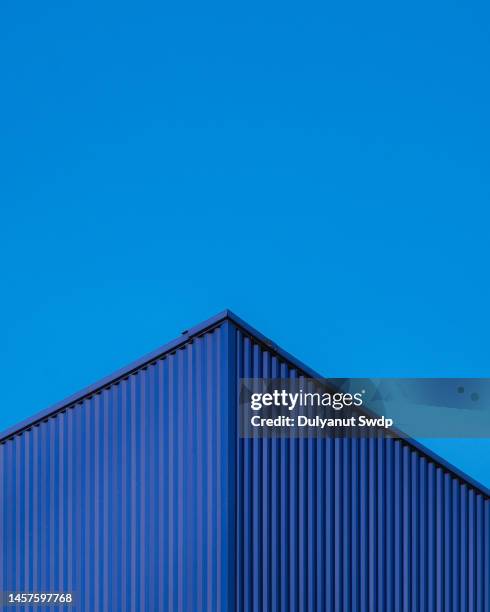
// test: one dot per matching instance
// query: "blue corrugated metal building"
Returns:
(138, 494)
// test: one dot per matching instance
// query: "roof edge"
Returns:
(116, 375)
(280, 351)
(424, 450)
(184, 338)
(187, 335)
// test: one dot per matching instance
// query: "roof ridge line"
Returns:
(186, 336)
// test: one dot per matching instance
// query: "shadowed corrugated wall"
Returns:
(123, 497)
(367, 525)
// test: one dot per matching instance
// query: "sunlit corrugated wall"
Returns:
(124, 496)
(139, 496)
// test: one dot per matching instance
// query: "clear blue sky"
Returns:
(321, 169)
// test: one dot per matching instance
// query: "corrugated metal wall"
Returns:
(141, 497)
(353, 524)
(123, 498)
